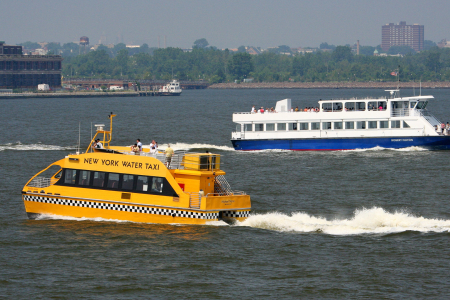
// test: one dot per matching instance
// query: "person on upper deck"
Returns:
(253, 109)
(169, 154)
(261, 110)
(98, 144)
(135, 149)
(153, 147)
(139, 144)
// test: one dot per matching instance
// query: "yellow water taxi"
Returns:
(114, 183)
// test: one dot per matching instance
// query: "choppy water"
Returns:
(349, 224)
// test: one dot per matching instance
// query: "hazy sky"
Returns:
(225, 23)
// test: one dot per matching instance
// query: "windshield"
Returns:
(422, 104)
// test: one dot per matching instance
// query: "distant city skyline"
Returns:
(225, 24)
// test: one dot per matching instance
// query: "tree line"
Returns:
(214, 65)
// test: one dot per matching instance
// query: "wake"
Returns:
(364, 221)
(18, 146)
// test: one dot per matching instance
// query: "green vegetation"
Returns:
(331, 64)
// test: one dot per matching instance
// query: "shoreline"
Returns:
(332, 85)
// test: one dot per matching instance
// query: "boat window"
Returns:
(361, 125)
(412, 104)
(70, 176)
(337, 106)
(84, 178)
(127, 182)
(238, 127)
(99, 179)
(326, 106)
(270, 127)
(372, 124)
(113, 181)
(360, 105)
(406, 125)
(315, 126)
(157, 185)
(422, 104)
(326, 125)
(337, 125)
(304, 126)
(259, 127)
(142, 184)
(349, 125)
(349, 106)
(292, 126)
(384, 124)
(395, 124)
(248, 127)
(381, 105)
(372, 105)
(281, 126)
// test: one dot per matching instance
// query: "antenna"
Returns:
(91, 138)
(79, 137)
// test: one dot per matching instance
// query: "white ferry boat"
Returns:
(396, 122)
(171, 89)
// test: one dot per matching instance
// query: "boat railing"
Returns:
(221, 186)
(195, 200)
(42, 182)
(429, 117)
(181, 159)
(176, 162)
(400, 112)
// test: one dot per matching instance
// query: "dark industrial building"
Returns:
(27, 71)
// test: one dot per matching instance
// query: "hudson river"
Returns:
(368, 224)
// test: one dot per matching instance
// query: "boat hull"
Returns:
(333, 144)
(37, 205)
(169, 94)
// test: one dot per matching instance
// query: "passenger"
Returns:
(261, 110)
(169, 153)
(380, 108)
(94, 144)
(99, 145)
(296, 108)
(153, 147)
(135, 149)
(139, 144)
(306, 109)
(253, 109)
(442, 127)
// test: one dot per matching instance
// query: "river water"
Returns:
(348, 224)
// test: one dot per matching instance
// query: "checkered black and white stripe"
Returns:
(124, 207)
(236, 214)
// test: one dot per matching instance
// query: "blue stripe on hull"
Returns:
(429, 142)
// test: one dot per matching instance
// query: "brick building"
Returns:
(27, 71)
(402, 35)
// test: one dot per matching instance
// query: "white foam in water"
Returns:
(184, 146)
(365, 221)
(33, 147)
(377, 148)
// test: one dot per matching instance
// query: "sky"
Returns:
(224, 23)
